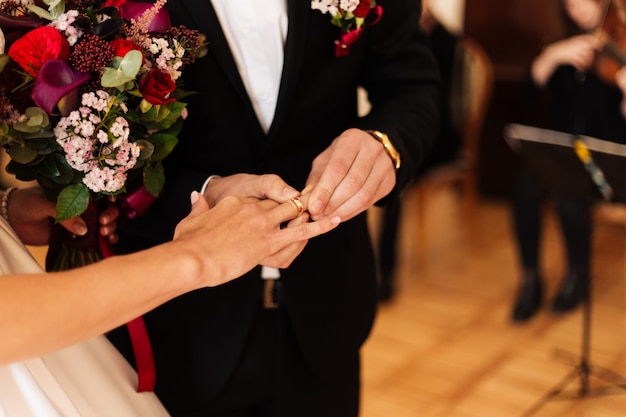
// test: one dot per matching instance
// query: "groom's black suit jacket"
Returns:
(330, 289)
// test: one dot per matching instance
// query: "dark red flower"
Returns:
(114, 3)
(363, 9)
(156, 86)
(36, 47)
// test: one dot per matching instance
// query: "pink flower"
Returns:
(134, 10)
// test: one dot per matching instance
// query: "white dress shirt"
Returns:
(256, 32)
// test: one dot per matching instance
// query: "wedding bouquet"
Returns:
(89, 102)
(89, 108)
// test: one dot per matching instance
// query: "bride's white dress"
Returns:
(90, 379)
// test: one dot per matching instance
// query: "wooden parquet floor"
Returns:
(444, 345)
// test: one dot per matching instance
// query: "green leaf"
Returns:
(20, 171)
(166, 116)
(36, 121)
(123, 71)
(145, 106)
(176, 128)
(4, 60)
(163, 145)
(147, 149)
(43, 13)
(154, 179)
(72, 201)
(21, 153)
(56, 168)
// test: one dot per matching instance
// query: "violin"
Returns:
(612, 33)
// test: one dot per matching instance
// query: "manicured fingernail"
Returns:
(335, 220)
(80, 229)
(290, 192)
(195, 196)
(316, 207)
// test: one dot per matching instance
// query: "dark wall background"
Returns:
(512, 33)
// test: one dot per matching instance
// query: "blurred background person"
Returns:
(582, 101)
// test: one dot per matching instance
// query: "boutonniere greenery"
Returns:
(351, 16)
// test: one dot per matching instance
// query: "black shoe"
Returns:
(529, 297)
(572, 292)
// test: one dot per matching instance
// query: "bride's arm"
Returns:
(40, 313)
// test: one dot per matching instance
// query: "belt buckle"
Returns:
(268, 295)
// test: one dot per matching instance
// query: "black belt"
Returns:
(272, 293)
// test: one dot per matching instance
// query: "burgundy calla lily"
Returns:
(134, 10)
(57, 83)
(26, 22)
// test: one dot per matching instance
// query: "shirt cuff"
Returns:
(206, 183)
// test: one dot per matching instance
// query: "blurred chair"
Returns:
(472, 84)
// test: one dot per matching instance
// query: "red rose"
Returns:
(156, 86)
(38, 46)
(122, 46)
(362, 9)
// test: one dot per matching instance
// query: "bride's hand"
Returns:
(240, 233)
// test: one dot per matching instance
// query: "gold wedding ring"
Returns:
(297, 204)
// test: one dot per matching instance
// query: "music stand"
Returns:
(550, 155)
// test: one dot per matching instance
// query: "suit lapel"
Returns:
(298, 12)
(205, 19)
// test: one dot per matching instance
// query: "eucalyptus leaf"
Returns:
(147, 149)
(43, 13)
(124, 70)
(72, 201)
(55, 7)
(21, 153)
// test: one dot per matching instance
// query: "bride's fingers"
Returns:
(289, 210)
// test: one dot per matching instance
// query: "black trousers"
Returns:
(575, 217)
(272, 379)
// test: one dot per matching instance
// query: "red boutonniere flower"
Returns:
(350, 16)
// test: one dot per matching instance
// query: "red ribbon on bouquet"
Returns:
(133, 205)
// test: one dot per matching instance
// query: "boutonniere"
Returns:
(351, 16)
